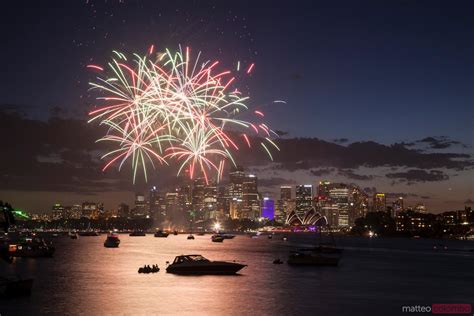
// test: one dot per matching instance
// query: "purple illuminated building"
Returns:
(268, 208)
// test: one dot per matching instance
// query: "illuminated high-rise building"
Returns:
(268, 208)
(379, 202)
(397, 207)
(250, 197)
(140, 205)
(210, 200)
(285, 205)
(339, 196)
(57, 212)
(304, 199)
(198, 194)
(89, 209)
(236, 179)
(123, 210)
(285, 192)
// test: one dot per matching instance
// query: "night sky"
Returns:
(383, 89)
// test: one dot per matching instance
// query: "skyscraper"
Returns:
(250, 197)
(236, 178)
(140, 205)
(304, 199)
(284, 204)
(198, 194)
(152, 202)
(268, 208)
(379, 202)
(285, 192)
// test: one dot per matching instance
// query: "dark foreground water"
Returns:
(376, 277)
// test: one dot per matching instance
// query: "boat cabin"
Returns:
(189, 259)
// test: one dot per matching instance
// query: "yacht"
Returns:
(197, 264)
(31, 247)
(112, 241)
(217, 238)
(161, 233)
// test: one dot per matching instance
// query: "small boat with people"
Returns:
(137, 233)
(198, 265)
(161, 233)
(147, 269)
(112, 241)
(217, 238)
(190, 237)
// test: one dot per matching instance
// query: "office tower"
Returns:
(379, 202)
(304, 199)
(236, 179)
(250, 198)
(140, 205)
(268, 208)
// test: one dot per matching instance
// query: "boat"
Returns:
(277, 261)
(201, 233)
(190, 236)
(14, 287)
(197, 264)
(31, 248)
(72, 235)
(217, 238)
(175, 232)
(137, 233)
(160, 233)
(112, 241)
(311, 257)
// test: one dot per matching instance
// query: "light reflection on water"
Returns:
(374, 277)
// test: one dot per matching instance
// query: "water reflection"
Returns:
(86, 278)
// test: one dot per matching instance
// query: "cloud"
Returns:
(440, 142)
(348, 173)
(419, 175)
(276, 181)
(469, 201)
(322, 171)
(340, 140)
(313, 153)
(61, 155)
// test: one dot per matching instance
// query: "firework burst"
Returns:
(165, 106)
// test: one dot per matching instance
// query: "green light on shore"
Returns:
(20, 213)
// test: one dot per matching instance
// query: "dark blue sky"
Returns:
(379, 70)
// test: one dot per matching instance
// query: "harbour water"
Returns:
(376, 277)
